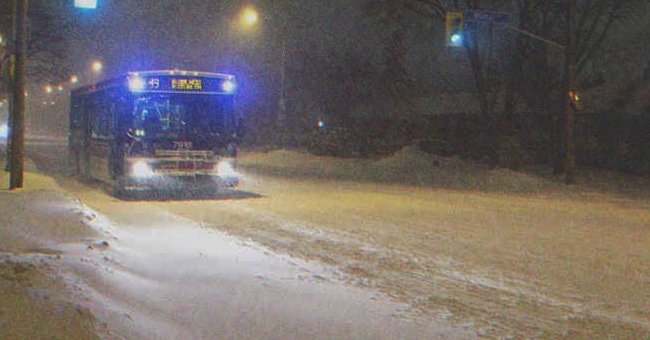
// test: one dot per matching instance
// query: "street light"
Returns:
(48, 89)
(96, 66)
(60, 88)
(249, 17)
(74, 79)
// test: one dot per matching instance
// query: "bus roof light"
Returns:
(229, 86)
(136, 84)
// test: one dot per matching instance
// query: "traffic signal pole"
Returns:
(17, 145)
(570, 98)
(570, 53)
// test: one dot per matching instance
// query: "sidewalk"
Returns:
(34, 302)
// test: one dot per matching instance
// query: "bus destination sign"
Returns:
(172, 83)
(184, 84)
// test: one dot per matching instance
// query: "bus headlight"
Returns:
(225, 169)
(142, 170)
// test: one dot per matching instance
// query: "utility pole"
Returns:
(17, 128)
(570, 53)
(282, 106)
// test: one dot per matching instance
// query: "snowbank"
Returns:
(410, 166)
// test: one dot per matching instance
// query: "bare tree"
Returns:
(48, 32)
(513, 74)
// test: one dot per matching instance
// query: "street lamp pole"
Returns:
(17, 145)
(282, 109)
(249, 17)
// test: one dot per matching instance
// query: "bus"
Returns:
(165, 129)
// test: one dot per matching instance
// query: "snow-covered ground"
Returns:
(35, 302)
(136, 270)
(512, 253)
(459, 250)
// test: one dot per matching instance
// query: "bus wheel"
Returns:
(120, 191)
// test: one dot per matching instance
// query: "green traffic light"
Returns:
(89, 4)
(456, 40)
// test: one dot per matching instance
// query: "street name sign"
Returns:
(487, 16)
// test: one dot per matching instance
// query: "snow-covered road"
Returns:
(549, 262)
(163, 276)
(147, 272)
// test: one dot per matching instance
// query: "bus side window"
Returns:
(102, 120)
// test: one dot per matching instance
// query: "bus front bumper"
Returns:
(145, 175)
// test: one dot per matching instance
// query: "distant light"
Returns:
(90, 4)
(249, 16)
(52, 103)
(229, 86)
(136, 84)
(48, 89)
(456, 39)
(4, 131)
(96, 66)
(74, 79)
(139, 132)
(60, 88)
(321, 124)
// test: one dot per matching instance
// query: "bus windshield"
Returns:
(183, 116)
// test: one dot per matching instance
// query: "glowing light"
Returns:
(226, 170)
(74, 79)
(89, 4)
(48, 89)
(249, 16)
(96, 66)
(60, 88)
(456, 39)
(321, 124)
(139, 132)
(574, 96)
(229, 86)
(136, 84)
(4, 131)
(142, 170)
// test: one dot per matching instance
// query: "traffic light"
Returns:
(455, 22)
(89, 4)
